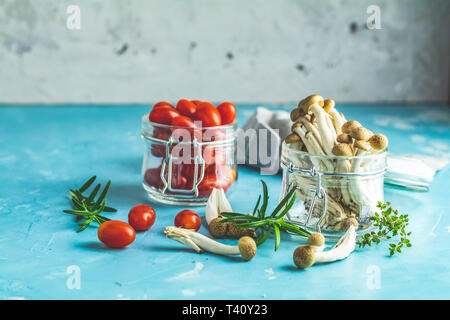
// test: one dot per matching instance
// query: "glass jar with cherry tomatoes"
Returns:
(190, 149)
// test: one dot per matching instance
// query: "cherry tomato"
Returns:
(182, 121)
(214, 135)
(141, 217)
(227, 112)
(163, 114)
(161, 104)
(186, 107)
(208, 114)
(116, 234)
(211, 181)
(179, 181)
(158, 149)
(196, 102)
(213, 155)
(188, 219)
(152, 177)
(226, 173)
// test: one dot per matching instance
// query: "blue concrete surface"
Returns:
(45, 150)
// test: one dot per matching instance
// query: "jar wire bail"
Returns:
(318, 193)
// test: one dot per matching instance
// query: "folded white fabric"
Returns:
(411, 171)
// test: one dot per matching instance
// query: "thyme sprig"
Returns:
(389, 224)
(266, 224)
(87, 207)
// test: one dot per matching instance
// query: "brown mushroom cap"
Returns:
(310, 100)
(292, 138)
(344, 138)
(304, 257)
(363, 145)
(328, 104)
(342, 149)
(236, 232)
(296, 125)
(295, 113)
(378, 141)
(349, 126)
(316, 239)
(360, 133)
(247, 248)
(218, 229)
(346, 223)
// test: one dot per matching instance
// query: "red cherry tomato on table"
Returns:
(141, 217)
(188, 219)
(208, 114)
(227, 112)
(163, 114)
(161, 104)
(116, 234)
(186, 108)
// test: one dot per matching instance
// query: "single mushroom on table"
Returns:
(305, 255)
(216, 204)
(219, 229)
(246, 247)
(317, 241)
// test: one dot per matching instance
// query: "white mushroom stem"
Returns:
(311, 144)
(217, 203)
(323, 126)
(337, 121)
(341, 250)
(356, 162)
(312, 128)
(199, 242)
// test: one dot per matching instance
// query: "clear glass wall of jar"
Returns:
(333, 191)
(181, 166)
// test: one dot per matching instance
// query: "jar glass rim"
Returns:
(146, 121)
(379, 154)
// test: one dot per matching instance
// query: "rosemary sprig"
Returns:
(88, 207)
(266, 224)
(390, 224)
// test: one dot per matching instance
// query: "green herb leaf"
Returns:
(265, 225)
(282, 202)
(390, 225)
(87, 184)
(277, 236)
(262, 211)
(88, 207)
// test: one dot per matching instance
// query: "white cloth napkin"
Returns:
(411, 171)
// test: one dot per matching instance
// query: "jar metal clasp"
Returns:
(319, 193)
(168, 162)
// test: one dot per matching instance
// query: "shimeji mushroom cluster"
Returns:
(320, 130)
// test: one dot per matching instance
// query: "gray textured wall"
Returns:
(244, 51)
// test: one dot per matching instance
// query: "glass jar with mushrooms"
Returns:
(337, 167)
